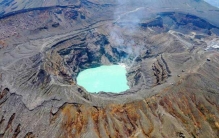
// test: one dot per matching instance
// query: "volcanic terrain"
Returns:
(169, 47)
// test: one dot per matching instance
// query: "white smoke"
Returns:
(129, 17)
(213, 44)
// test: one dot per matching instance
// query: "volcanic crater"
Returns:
(133, 46)
(171, 56)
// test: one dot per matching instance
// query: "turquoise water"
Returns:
(104, 78)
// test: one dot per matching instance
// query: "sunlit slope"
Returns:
(197, 7)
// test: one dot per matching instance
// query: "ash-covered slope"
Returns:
(8, 6)
(170, 53)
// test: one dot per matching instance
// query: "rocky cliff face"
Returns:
(171, 55)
